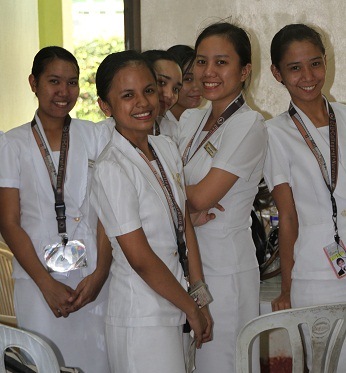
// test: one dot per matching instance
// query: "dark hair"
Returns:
(154, 55)
(112, 64)
(185, 56)
(47, 55)
(339, 260)
(289, 34)
(235, 35)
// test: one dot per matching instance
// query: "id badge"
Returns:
(336, 254)
(64, 258)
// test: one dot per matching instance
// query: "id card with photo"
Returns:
(336, 254)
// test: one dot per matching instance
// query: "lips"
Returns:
(308, 89)
(61, 104)
(210, 85)
(142, 116)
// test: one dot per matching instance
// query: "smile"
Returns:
(210, 85)
(145, 115)
(61, 104)
(308, 88)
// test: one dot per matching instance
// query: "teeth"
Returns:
(211, 85)
(308, 88)
(142, 115)
(62, 104)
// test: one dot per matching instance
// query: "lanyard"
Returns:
(230, 110)
(57, 179)
(176, 212)
(334, 162)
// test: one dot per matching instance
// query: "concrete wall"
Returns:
(168, 22)
(19, 43)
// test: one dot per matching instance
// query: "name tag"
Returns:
(210, 148)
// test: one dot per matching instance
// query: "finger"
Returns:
(219, 207)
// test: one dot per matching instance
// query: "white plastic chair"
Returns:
(326, 325)
(38, 349)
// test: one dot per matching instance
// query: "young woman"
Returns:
(169, 83)
(140, 199)
(223, 151)
(46, 167)
(309, 194)
(190, 94)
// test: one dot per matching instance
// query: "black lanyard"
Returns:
(177, 215)
(334, 161)
(230, 110)
(57, 179)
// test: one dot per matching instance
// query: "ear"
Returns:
(245, 71)
(33, 83)
(104, 107)
(276, 73)
(325, 60)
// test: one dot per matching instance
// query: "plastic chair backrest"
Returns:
(36, 347)
(7, 313)
(325, 324)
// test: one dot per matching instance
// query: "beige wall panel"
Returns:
(19, 43)
(168, 22)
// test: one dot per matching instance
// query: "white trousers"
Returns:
(236, 301)
(78, 340)
(154, 349)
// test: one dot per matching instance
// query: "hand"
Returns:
(219, 207)
(208, 333)
(201, 218)
(58, 297)
(282, 302)
(198, 324)
(86, 292)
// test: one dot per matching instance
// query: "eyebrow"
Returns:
(217, 56)
(126, 90)
(312, 59)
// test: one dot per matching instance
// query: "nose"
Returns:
(208, 70)
(307, 73)
(63, 89)
(142, 101)
(168, 92)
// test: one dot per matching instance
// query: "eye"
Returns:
(188, 79)
(127, 95)
(200, 61)
(221, 62)
(295, 68)
(176, 90)
(73, 82)
(316, 63)
(54, 81)
(150, 90)
(161, 83)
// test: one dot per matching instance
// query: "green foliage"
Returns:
(89, 55)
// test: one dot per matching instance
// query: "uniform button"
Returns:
(175, 253)
(343, 213)
(77, 218)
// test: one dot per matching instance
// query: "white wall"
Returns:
(168, 22)
(18, 46)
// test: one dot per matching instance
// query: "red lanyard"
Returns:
(230, 110)
(334, 161)
(176, 212)
(57, 179)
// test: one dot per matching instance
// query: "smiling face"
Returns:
(169, 83)
(302, 70)
(56, 88)
(218, 70)
(132, 100)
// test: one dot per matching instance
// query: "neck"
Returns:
(177, 110)
(139, 141)
(316, 111)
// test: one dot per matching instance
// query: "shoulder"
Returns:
(280, 121)
(192, 115)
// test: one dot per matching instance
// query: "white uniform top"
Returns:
(23, 167)
(128, 196)
(168, 128)
(290, 160)
(226, 243)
